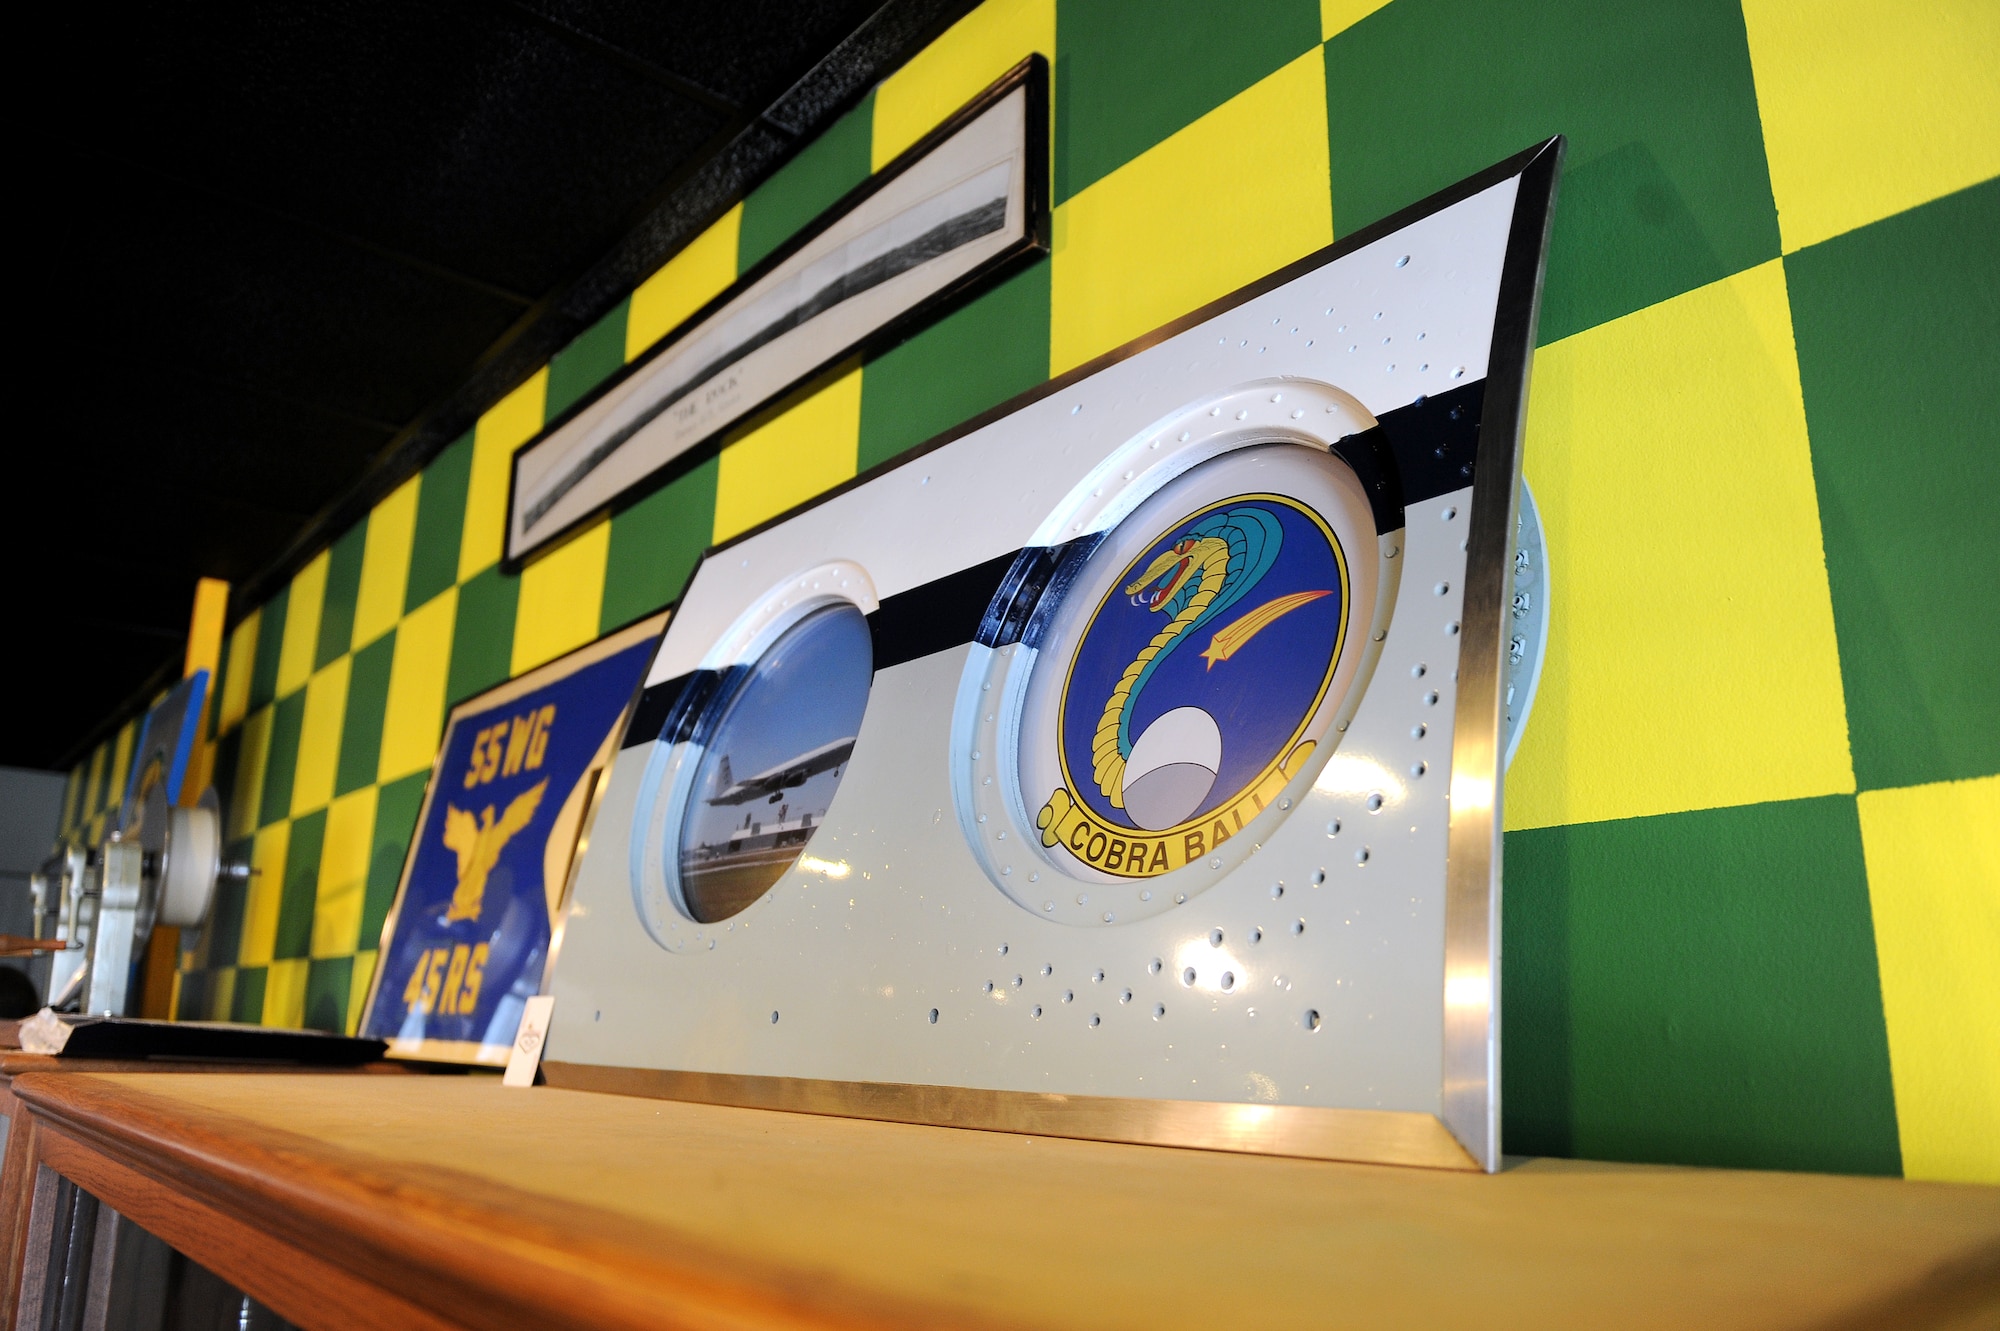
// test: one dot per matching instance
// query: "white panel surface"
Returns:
(1306, 968)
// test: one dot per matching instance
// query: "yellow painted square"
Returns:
(121, 764)
(507, 424)
(805, 450)
(92, 803)
(221, 995)
(1691, 660)
(413, 715)
(1240, 192)
(70, 789)
(319, 736)
(955, 68)
(302, 610)
(683, 283)
(236, 679)
(385, 563)
(1933, 857)
(246, 792)
(357, 988)
(285, 993)
(266, 895)
(1873, 106)
(343, 873)
(1337, 16)
(204, 645)
(561, 594)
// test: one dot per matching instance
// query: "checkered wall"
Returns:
(1753, 850)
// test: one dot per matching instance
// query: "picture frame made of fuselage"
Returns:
(1326, 984)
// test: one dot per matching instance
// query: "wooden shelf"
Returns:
(420, 1201)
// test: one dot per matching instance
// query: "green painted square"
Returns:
(192, 1002)
(482, 639)
(654, 546)
(440, 524)
(1896, 326)
(1665, 187)
(248, 1002)
(295, 907)
(327, 981)
(1128, 76)
(587, 361)
(282, 758)
(343, 589)
(973, 359)
(1697, 988)
(270, 643)
(803, 188)
(396, 807)
(367, 701)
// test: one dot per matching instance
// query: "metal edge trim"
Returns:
(1470, 1099)
(1370, 1136)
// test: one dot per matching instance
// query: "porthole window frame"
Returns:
(668, 786)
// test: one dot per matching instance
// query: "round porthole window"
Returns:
(753, 780)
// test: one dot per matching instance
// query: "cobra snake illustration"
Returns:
(1210, 568)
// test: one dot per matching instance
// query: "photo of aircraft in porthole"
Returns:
(773, 782)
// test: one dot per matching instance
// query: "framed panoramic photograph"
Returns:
(961, 208)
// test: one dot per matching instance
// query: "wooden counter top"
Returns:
(463, 1202)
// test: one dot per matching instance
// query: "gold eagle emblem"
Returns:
(479, 841)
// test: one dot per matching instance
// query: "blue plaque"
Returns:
(469, 938)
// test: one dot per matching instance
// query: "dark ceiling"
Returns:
(284, 253)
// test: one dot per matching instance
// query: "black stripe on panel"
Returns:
(1434, 440)
(937, 615)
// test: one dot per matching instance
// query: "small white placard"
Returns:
(527, 1052)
